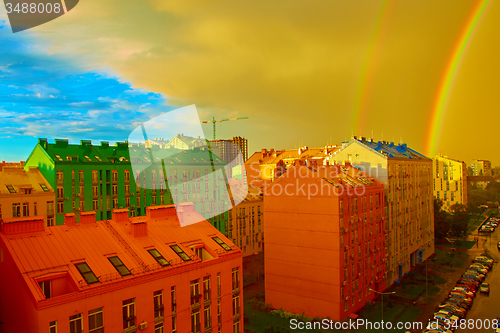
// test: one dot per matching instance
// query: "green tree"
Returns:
(458, 220)
(441, 223)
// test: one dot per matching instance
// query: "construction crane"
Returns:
(221, 120)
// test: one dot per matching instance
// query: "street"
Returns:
(486, 307)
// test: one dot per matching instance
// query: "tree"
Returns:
(459, 219)
(441, 223)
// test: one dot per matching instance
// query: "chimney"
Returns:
(69, 219)
(119, 215)
(61, 142)
(139, 229)
(21, 225)
(87, 217)
(160, 211)
(43, 143)
(104, 144)
(183, 210)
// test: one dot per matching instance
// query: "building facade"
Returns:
(407, 177)
(450, 181)
(324, 241)
(25, 193)
(145, 274)
(245, 226)
(230, 149)
(88, 177)
(181, 141)
(481, 167)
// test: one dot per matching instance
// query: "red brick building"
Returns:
(145, 274)
(324, 240)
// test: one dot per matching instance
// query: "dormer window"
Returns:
(119, 266)
(98, 158)
(158, 257)
(180, 252)
(88, 158)
(11, 189)
(44, 187)
(221, 243)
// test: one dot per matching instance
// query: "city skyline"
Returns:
(393, 70)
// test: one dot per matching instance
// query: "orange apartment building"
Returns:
(246, 225)
(25, 193)
(324, 240)
(263, 167)
(140, 274)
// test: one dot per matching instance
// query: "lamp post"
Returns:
(382, 297)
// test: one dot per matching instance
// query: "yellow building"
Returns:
(25, 193)
(481, 168)
(245, 226)
(407, 177)
(450, 181)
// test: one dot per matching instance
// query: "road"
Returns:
(484, 306)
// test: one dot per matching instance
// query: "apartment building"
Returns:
(100, 178)
(245, 226)
(25, 193)
(324, 240)
(450, 181)
(408, 180)
(126, 274)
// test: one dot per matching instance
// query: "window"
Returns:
(195, 322)
(236, 278)
(44, 187)
(119, 266)
(60, 193)
(82, 205)
(208, 318)
(195, 291)
(221, 243)
(236, 305)
(174, 324)
(127, 175)
(219, 313)
(96, 323)
(218, 285)
(236, 327)
(87, 158)
(86, 273)
(98, 158)
(158, 303)
(180, 252)
(76, 324)
(128, 313)
(206, 288)
(59, 176)
(11, 189)
(159, 258)
(46, 287)
(26, 209)
(60, 207)
(53, 326)
(35, 210)
(159, 328)
(16, 210)
(172, 300)
(95, 205)
(115, 175)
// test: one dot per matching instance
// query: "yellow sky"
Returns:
(301, 70)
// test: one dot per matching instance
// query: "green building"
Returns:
(99, 178)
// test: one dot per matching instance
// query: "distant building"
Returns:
(245, 225)
(229, 149)
(100, 178)
(450, 181)
(25, 193)
(324, 241)
(481, 167)
(161, 143)
(263, 167)
(407, 177)
(181, 141)
(480, 181)
(143, 274)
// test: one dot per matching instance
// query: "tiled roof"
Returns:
(58, 248)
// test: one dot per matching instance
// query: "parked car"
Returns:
(478, 269)
(484, 260)
(485, 288)
(498, 245)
